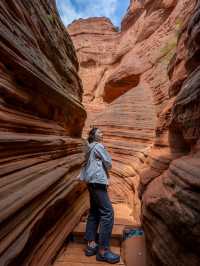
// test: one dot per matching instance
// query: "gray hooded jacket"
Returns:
(98, 163)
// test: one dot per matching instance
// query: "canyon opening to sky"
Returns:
(130, 68)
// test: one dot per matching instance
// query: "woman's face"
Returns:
(99, 135)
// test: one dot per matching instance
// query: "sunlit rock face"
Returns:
(126, 83)
(128, 134)
(95, 41)
(170, 188)
(41, 120)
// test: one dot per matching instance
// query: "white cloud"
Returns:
(90, 8)
(67, 11)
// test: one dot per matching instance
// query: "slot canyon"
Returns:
(140, 84)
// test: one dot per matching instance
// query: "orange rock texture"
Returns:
(141, 86)
(126, 83)
(128, 121)
(41, 120)
(170, 180)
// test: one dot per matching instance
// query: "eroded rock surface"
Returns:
(95, 40)
(127, 142)
(170, 187)
(126, 84)
(41, 119)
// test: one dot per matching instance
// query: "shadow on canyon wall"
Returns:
(140, 85)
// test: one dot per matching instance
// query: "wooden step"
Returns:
(83, 263)
(117, 234)
(73, 255)
(117, 231)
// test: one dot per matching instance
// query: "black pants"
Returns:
(101, 215)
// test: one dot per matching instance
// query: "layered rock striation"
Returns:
(141, 87)
(128, 134)
(95, 40)
(126, 86)
(170, 179)
(41, 120)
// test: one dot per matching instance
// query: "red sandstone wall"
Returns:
(41, 120)
(126, 87)
(126, 84)
(170, 183)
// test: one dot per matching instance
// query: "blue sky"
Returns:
(74, 9)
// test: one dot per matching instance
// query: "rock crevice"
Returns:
(126, 88)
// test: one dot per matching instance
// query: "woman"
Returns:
(95, 174)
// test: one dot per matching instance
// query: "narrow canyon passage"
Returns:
(140, 85)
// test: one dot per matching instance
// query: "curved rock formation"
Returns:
(95, 40)
(126, 87)
(128, 134)
(41, 120)
(170, 187)
(128, 67)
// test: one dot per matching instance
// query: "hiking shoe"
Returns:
(89, 251)
(108, 256)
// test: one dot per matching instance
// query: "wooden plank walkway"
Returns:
(73, 253)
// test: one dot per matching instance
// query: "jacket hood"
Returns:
(91, 145)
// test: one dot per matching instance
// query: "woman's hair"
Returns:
(92, 134)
